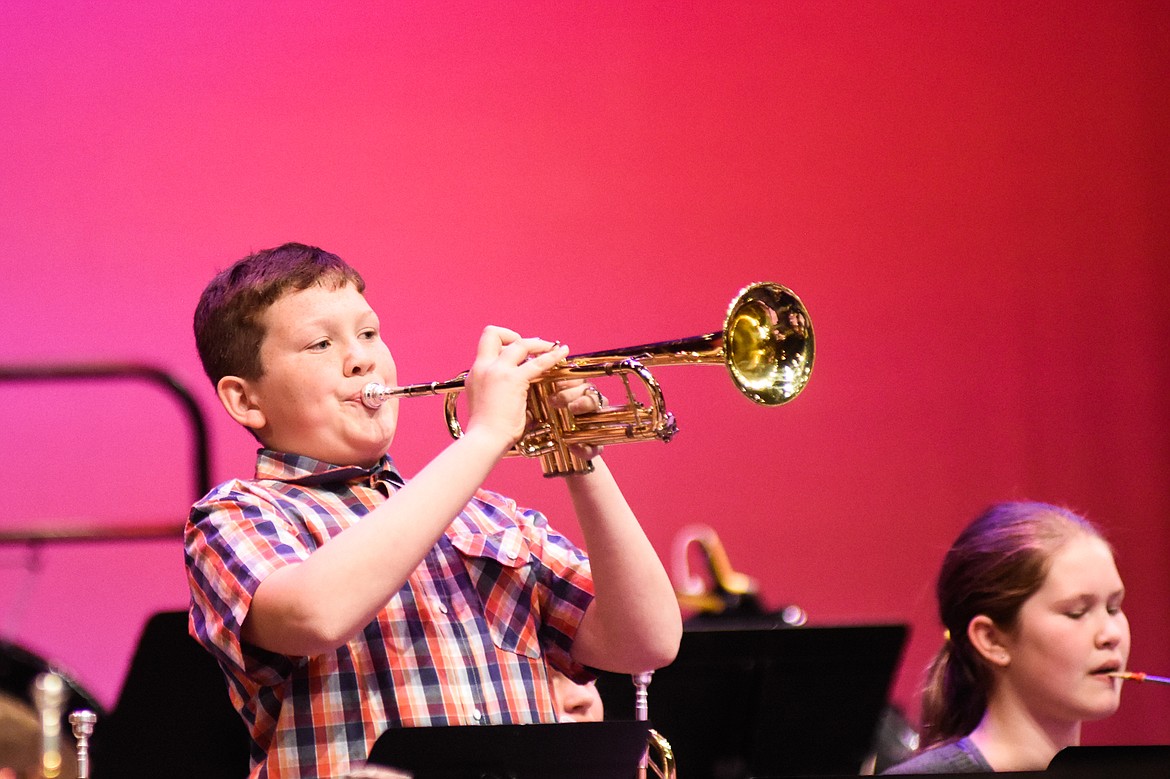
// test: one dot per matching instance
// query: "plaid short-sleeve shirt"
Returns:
(465, 641)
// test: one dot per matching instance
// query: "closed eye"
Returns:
(1113, 606)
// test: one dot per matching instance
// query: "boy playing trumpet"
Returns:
(341, 599)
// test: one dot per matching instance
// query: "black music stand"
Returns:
(1087, 762)
(769, 702)
(1132, 762)
(173, 717)
(19, 668)
(569, 750)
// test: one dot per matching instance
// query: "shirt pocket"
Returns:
(501, 572)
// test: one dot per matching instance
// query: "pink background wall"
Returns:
(970, 197)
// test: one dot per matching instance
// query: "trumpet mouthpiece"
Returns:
(373, 395)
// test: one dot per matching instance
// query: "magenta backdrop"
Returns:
(970, 197)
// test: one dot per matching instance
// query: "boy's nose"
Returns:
(360, 361)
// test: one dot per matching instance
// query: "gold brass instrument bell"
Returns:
(658, 759)
(766, 345)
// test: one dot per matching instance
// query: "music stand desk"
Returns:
(769, 702)
(569, 750)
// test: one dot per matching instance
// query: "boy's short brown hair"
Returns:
(229, 324)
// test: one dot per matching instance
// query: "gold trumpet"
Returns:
(766, 344)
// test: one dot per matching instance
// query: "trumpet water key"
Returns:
(766, 344)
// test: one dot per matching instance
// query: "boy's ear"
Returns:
(989, 641)
(236, 396)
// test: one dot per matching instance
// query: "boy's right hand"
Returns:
(497, 384)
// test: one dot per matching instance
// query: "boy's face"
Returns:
(320, 348)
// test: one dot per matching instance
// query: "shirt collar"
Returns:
(306, 471)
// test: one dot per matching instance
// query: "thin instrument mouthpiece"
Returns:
(1137, 676)
(374, 394)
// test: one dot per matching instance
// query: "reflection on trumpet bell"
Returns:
(766, 344)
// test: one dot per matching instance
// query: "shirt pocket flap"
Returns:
(498, 565)
(508, 547)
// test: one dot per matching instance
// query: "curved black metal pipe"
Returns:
(200, 457)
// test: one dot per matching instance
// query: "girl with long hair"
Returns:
(1030, 599)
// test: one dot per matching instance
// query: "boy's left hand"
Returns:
(581, 397)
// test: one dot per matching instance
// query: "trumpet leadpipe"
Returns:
(375, 394)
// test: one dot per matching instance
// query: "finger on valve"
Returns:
(579, 396)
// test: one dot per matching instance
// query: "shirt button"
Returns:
(476, 715)
(442, 607)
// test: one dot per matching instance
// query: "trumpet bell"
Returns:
(660, 761)
(768, 343)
